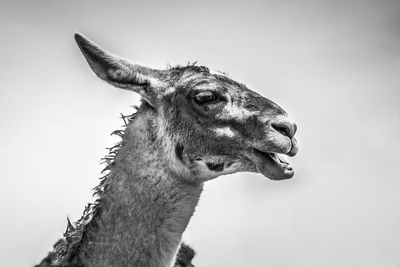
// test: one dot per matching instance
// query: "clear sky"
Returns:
(333, 65)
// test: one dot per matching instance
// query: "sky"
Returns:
(333, 65)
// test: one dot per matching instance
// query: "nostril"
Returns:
(282, 129)
(286, 128)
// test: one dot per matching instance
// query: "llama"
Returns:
(193, 125)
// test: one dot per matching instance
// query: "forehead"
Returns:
(201, 78)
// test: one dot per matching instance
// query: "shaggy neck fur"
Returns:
(145, 207)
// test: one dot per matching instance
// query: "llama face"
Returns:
(219, 126)
(210, 124)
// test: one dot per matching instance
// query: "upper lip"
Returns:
(294, 149)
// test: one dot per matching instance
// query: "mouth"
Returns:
(272, 165)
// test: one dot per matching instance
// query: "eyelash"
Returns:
(209, 98)
(202, 98)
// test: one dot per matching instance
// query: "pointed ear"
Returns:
(119, 72)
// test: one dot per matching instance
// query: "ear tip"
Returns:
(86, 46)
(78, 36)
(80, 39)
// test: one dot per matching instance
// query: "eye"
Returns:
(205, 97)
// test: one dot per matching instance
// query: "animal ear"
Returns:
(120, 72)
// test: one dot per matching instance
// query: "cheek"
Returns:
(212, 167)
(240, 132)
(249, 130)
(196, 137)
(203, 147)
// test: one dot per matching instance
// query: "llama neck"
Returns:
(146, 208)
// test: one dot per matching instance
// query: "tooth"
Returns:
(283, 159)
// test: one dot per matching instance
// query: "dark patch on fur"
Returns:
(217, 167)
(228, 164)
(184, 256)
(179, 152)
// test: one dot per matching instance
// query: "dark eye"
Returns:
(205, 97)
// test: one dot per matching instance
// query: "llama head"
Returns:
(210, 124)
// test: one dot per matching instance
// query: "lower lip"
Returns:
(273, 166)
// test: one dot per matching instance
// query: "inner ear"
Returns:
(121, 73)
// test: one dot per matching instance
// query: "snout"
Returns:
(278, 139)
(278, 136)
(284, 128)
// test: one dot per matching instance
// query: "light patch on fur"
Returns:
(224, 131)
(234, 112)
(169, 90)
(190, 76)
(155, 82)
